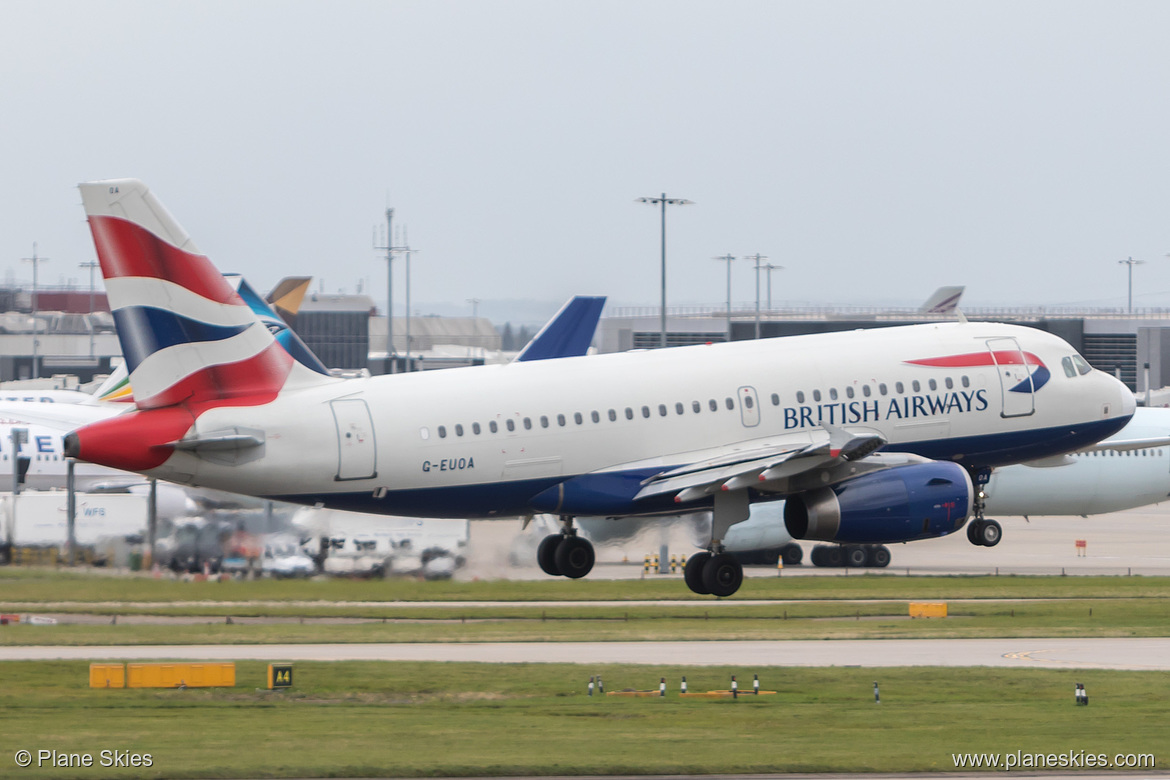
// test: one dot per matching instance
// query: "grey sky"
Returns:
(877, 150)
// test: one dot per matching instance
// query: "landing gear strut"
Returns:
(565, 554)
(982, 532)
(715, 572)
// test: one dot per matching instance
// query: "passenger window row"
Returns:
(882, 390)
(561, 421)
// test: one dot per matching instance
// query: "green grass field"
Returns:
(417, 719)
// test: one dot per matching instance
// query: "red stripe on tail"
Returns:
(127, 249)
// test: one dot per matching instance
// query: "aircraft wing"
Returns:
(1125, 445)
(778, 466)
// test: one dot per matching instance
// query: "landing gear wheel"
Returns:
(546, 554)
(990, 533)
(791, 555)
(818, 555)
(722, 575)
(973, 532)
(855, 556)
(834, 556)
(574, 557)
(879, 556)
(693, 573)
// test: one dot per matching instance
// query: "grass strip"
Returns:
(430, 719)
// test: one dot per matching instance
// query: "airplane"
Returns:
(876, 435)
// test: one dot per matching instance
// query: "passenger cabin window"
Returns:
(713, 404)
(561, 420)
(661, 410)
(950, 383)
(612, 415)
(527, 423)
(933, 385)
(832, 394)
(899, 388)
(849, 391)
(817, 396)
(476, 429)
(595, 416)
(511, 424)
(442, 432)
(865, 390)
(696, 407)
(775, 399)
(730, 403)
(493, 427)
(458, 429)
(916, 386)
(966, 381)
(423, 433)
(800, 396)
(679, 408)
(629, 413)
(646, 411)
(747, 401)
(577, 418)
(544, 421)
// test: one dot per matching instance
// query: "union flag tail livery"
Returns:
(870, 436)
(189, 340)
(186, 335)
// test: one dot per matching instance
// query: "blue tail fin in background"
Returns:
(569, 333)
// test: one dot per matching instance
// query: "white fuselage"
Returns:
(423, 444)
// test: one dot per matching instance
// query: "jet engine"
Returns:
(900, 504)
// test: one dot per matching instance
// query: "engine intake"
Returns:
(920, 501)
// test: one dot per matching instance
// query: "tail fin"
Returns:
(186, 335)
(944, 300)
(569, 333)
(276, 324)
(287, 295)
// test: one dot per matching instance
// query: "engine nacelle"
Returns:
(920, 501)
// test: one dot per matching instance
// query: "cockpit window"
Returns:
(1082, 365)
(1067, 364)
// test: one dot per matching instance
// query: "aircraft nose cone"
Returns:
(1128, 401)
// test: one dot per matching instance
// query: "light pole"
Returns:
(1131, 263)
(389, 250)
(664, 201)
(36, 261)
(729, 259)
(770, 268)
(757, 257)
(474, 307)
(91, 265)
(406, 250)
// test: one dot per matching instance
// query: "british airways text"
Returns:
(908, 408)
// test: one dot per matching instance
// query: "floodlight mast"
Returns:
(1131, 263)
(664, 202)
(729, 259)
(36, 260)
(757, 257)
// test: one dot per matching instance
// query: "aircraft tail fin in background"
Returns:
(569, 333)
(276, 321)
(186, 335)
(945, 300)
(287, 295)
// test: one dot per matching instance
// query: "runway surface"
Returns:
(1142, 654)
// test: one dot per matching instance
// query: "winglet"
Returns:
(569, 333)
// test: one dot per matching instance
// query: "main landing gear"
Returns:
(981, 532)
(565, 554)
(713, 573)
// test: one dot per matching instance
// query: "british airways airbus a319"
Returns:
(874, 434)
